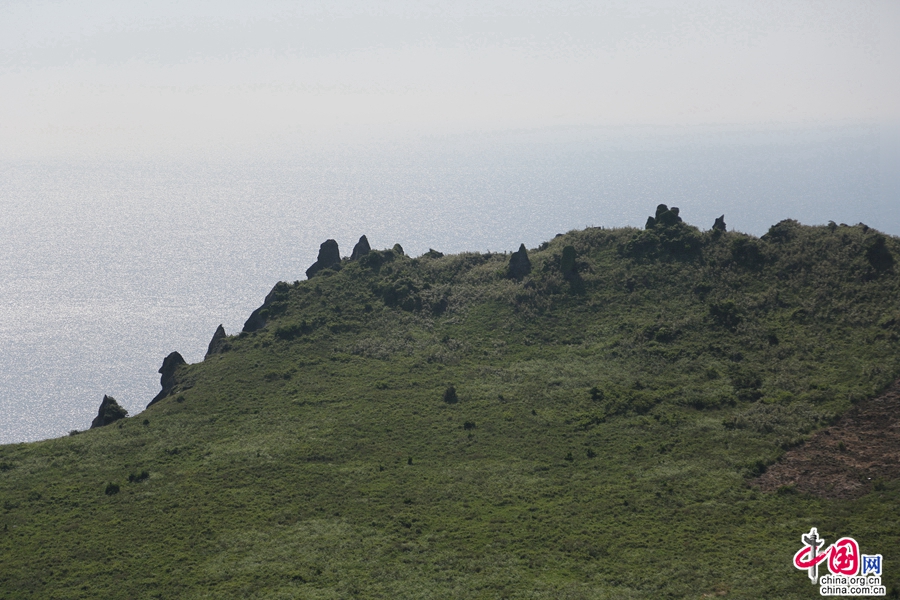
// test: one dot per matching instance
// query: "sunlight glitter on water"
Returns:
(109, 266)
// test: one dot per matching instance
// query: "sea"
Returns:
(109, 264)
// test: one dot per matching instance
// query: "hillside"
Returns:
(610, 412)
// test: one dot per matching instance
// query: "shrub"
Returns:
(757, 468)
(293, 331)
(143, 475)
(469, 425)
(567, 262)
(725, 314)
(878, 255)
(450, 396)
(782, 232)
(668, 236)
(745, 252)
(112, 488)
(745, 379)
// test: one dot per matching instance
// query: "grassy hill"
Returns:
(608, 413)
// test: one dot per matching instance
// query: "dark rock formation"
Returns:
(360, 249)
(215, 345)
(329, 256)
(567, 262)
(110, 411)
(273, 305)
(255, 321)
(398, 248)
(519, 265)
(719, 225)
(665, 217)
(432, 253)
(167, 370)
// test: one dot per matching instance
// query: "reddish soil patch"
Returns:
(847, 459)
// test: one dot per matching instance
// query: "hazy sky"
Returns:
(94, 77)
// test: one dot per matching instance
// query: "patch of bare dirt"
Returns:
(848, 459)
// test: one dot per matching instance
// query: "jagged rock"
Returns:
(719, 225)
(567, 262)
(272, 305)
(257, 319)
(360, 249)
(167, 370)
(110, 411)
(215, 345)
(519, 265)
(667, 217)
(329, 255)
(398, 248)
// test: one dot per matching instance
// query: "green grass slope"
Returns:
(604, 433)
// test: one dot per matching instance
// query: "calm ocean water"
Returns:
(107, 266)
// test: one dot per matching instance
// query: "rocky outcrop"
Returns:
(719, 225)
(167, 381)
(665, 217)
(360, 249)
(257, 319)
(110, 412)
(329, 256)
(217, 342)
(274, 304)
(398, 249)
(519, 264)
